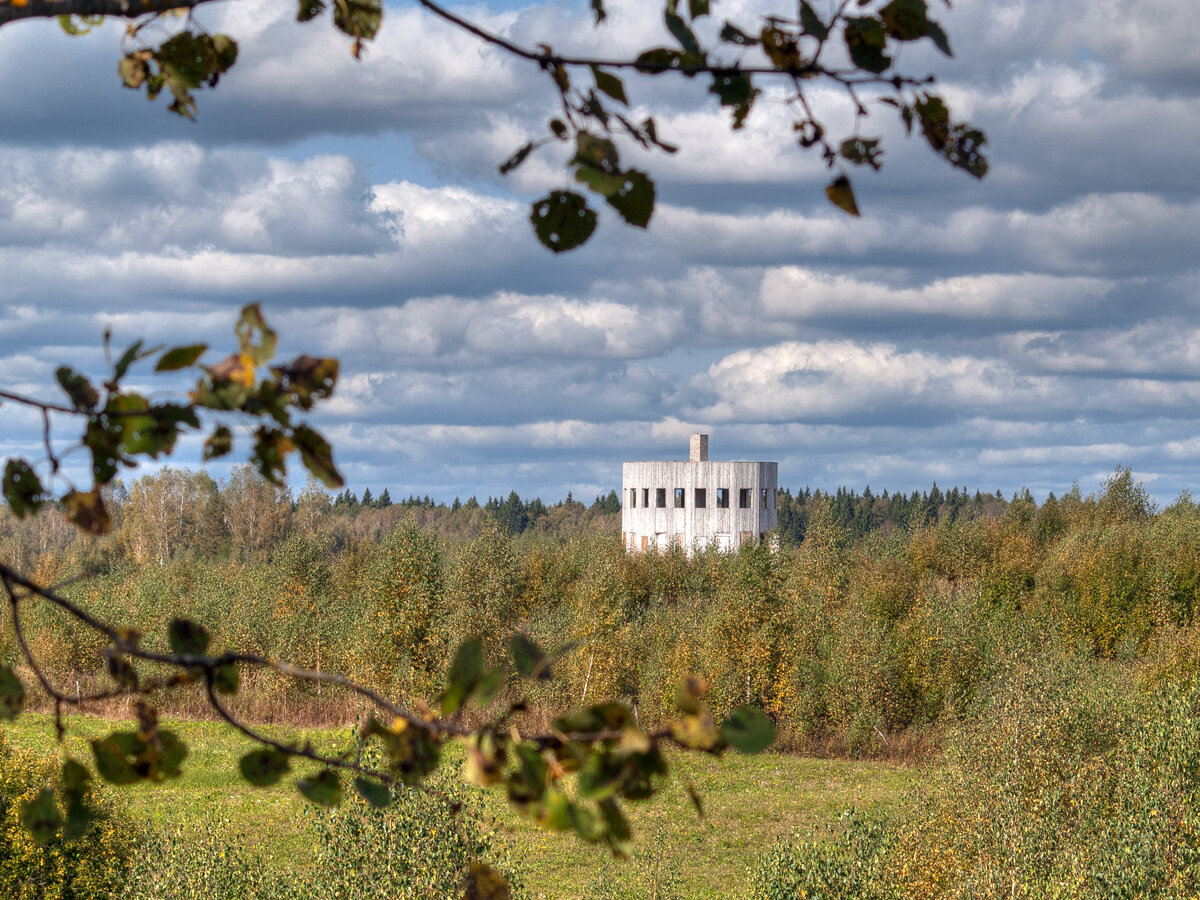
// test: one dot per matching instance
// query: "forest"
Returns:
(1039, 659)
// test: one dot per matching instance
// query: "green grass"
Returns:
(749, 802)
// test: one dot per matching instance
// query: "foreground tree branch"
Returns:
(784, 50)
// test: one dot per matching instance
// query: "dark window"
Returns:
(744, 498)
(764, 499)
(701, 498)
(679, 498)
(722, 498)
(660, 498)
(645, 496)
(633, 498)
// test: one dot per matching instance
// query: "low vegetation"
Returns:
(1040, 662)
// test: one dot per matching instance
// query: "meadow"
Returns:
(750, 803)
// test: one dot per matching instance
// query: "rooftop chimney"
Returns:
(699, 448)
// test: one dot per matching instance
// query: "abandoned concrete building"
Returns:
(697, 503)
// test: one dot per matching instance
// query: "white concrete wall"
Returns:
(691, 527)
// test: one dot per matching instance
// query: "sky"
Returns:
(1035, 329)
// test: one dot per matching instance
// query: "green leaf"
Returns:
(23, 490)
(657, 60)
(373, 792)
(584, 823)
(731, 34)
(866, 41)
(271, 447)
(781, 48)
(482, 882)
(86, 510)
(180, 358)
(516, 159)
(226, 679)
(167, 757)
(263, 768)
(187, 637)
(487, 687)
(79, 820)
(841, 195)
(128, 358)
(219, 443)
(610, 84)
(959, 143)
(650, 131)
(309, 10)
(255, 338)
(308, 379)
(680, 31)
(634, 199)
(324, 789)
(862, 151)
(617, 833)
(562, 220)
(905, 20)
(41, 817)
(737, 90)
(748, 729)
(603, 183)
(317, 456)
(465, 672)
(528, 657)
(116, 756)
(811, 22)
(75, 780)
(360, 19)
(12, 694)
(938, 36)
(697, 8)
(78, 388)
(598, 152)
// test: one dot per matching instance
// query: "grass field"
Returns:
(749, 802)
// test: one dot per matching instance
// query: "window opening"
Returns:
(645, 496)
(744, 498)
(679, 498)
(722, 498)
(633, 498)
(701, 498)
(660, 498)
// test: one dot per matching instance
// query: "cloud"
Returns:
(1036, 328)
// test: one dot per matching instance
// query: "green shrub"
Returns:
(847, 868)
(90, 868)
(419, 848)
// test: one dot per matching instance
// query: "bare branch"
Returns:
(119, 9)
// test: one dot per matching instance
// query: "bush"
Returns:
(419, 848)
(93, 867)
(849, 868)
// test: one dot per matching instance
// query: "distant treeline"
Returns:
(858, 514)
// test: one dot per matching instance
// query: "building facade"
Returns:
(697, 503)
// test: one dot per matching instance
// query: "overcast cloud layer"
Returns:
(1035, 329)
